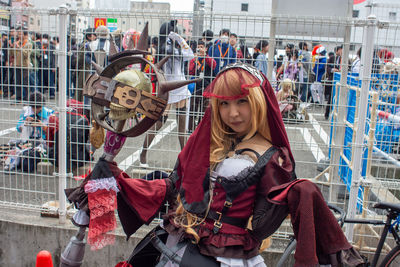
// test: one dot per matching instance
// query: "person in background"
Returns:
(222, 51)
(304, 72)
(320, 64)
(329, 83)
(101, 46)
(257, 51)
(289, 49)
(84, 61)
(261, 62)
(292, 68)
(48, 66)
(355, 66)
(72, 59)
(208, 35)
(233, 41)
(338, 59)
(22, 49)
(118, 36)
(12, 38)
(173, 45)
(201, 66)
(36, 57)
(247, 56)
(3, 65)
(34, 118)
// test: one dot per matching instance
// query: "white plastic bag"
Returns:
(317, 92)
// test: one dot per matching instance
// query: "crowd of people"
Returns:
(28, 64)
(301, 74)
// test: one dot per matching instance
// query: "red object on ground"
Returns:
(43, 259)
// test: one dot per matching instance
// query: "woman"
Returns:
(172, 44)
(236, 165)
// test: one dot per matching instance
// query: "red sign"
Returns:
(358, 1)
(99, 22)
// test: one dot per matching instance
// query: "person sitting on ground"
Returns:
(34, 119)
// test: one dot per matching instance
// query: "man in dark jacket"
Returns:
(48, 60)
(330, 67)
(222, 51)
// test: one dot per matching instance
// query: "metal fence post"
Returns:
(272, 41)
(341, 98)
(365, 76)
(62, 102)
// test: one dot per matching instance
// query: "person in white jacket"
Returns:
(172, 44)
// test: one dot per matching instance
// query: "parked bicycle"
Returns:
(391, 224)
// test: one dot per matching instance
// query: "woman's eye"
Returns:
(223, 103)
(241, 101)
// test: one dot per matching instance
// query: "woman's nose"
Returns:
(233, 111)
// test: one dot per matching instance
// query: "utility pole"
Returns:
(198, 18)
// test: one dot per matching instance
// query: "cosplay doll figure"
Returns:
(237, 165)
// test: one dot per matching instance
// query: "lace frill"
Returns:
(102, 204)
(103, 183)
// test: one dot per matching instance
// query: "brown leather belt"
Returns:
(220, 218)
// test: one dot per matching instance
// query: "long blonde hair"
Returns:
(228, 84)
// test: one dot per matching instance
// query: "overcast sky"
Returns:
(176, 5)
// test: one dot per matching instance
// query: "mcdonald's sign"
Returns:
(100, 22)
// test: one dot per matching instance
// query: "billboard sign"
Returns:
(99, 22)
(112, 24)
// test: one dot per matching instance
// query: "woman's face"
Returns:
(236, 114)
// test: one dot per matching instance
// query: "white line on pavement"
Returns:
(126, 163)
(312, 144)
(317, 127)
(7, 131)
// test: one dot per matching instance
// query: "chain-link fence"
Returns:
(336, 81)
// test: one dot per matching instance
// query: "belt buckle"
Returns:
(228, 204)
(217, 222)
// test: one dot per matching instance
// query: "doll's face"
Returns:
(236, 114)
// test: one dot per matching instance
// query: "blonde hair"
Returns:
(221, 136)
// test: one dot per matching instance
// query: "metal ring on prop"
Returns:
(107, 91)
